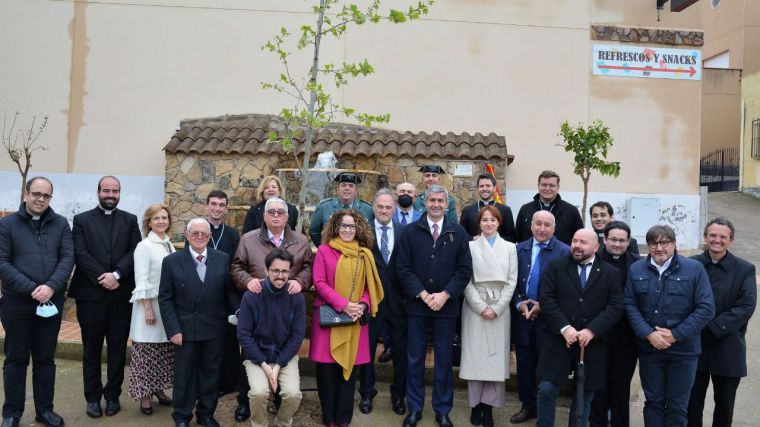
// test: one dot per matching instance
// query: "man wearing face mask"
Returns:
(36, 259)
(405, 212)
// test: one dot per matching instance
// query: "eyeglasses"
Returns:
(661, 243)
(616, 240)
(199, 234)
(276, 212)
(38, 195)
(278, 272)
(348, 227)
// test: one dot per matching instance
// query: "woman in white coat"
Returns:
(152, 365)
(485, 318)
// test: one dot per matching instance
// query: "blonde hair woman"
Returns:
(270, 186)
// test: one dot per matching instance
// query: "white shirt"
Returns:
(379, 234)
(664, 267)
(195, 254)
(430, 224)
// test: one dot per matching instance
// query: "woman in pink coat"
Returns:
(346, 279)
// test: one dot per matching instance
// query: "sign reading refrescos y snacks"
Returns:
(647, 62)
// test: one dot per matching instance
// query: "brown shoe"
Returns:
(523, 415)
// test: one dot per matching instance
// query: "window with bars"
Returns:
(756, 138)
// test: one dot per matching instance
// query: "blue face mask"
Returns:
(47, 309)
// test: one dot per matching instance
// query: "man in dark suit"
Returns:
(533, 255)
(566, 217)
(193, 297)
(622, 352)
(104, 240)
(469, 219)
(581, 300)
(434, 267)
(391, 311)
(602, 214)
(724, 349)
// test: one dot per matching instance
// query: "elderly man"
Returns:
(581, 300)
(271, 328)
(602, 214)
(434, 266)
(469, 220)
(533, 255)
(566, 216)
(405, 213)
(36, 259)
(622, 353)
(431, 175)
(193, 297)
(347, 198)
(724, 349)
(104, 241)
(668, 301)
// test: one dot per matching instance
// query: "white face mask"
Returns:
(47, 309)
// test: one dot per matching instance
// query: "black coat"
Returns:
(734, 286)
(254, 219)
(31, 257)
(422, 266)
(469, 220)
(596, 307)
(566, 217)
(97, 252)
(394, 299)
(197, 310)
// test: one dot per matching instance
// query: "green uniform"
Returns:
(451, 210)
(327, 207)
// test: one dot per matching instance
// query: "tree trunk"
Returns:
(585, 198)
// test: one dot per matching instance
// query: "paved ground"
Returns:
(742, 210)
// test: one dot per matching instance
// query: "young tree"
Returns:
(19, 144)
(590, 146)
(314, 106)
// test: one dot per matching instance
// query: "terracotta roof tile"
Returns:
(248, 134)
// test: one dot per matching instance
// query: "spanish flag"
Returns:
(496, 192)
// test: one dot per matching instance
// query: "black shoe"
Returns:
(443, 420)
(50, 419)
(208, 422)
(243, 411)
(487, 415)
(11, 422)
(163, 399)
(412, 419)
(180, 424)
(112, 408)
(94, 410)
(476, 416)
(398, 406)
(365, 405)
(277, 400)
(523, 415)
(386, 355)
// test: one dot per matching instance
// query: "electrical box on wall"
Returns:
(643, 213)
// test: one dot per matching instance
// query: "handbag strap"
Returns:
(353, 285)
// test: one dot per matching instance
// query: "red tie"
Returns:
(435, 232)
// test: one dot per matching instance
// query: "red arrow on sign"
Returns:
(691, 70)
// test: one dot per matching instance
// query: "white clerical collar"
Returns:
(106, 211)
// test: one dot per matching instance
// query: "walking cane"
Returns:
(580, 375)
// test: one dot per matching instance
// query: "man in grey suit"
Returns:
(193, 297)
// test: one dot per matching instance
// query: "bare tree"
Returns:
(21, 143)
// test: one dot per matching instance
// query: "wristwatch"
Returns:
(116, 275)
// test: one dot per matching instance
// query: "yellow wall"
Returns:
(750, 168)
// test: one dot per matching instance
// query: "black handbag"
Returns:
(328, 317)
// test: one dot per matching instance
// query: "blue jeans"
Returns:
(547, 405)
(666, 380)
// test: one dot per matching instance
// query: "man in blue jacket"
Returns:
(668, 301)
(434, 266)
(36, 259)
(271, 327)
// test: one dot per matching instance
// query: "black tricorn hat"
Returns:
(432, 169)
(348, 177)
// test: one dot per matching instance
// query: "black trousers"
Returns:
(615, 397)
(108, 319)
(28, 334)
(397, 328)
(196, 373)
(232, 365)
(336, 395)
(724, 393)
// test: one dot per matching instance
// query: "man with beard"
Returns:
(405, 213)
(469, 219)
(36, 259)
(602, 214)
(581, 300)
(431, 175)
(566, 217)
(347, 198)
(621, 342)
(104, 240)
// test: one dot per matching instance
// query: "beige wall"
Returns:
(723, 30)
(721, 109)
(517, 68)
(750, 168)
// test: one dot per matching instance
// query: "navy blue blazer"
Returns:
(394, 298)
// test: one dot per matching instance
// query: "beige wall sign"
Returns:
(647, 62)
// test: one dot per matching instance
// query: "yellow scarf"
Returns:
(358, 261)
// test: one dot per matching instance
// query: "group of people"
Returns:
(227, 313)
